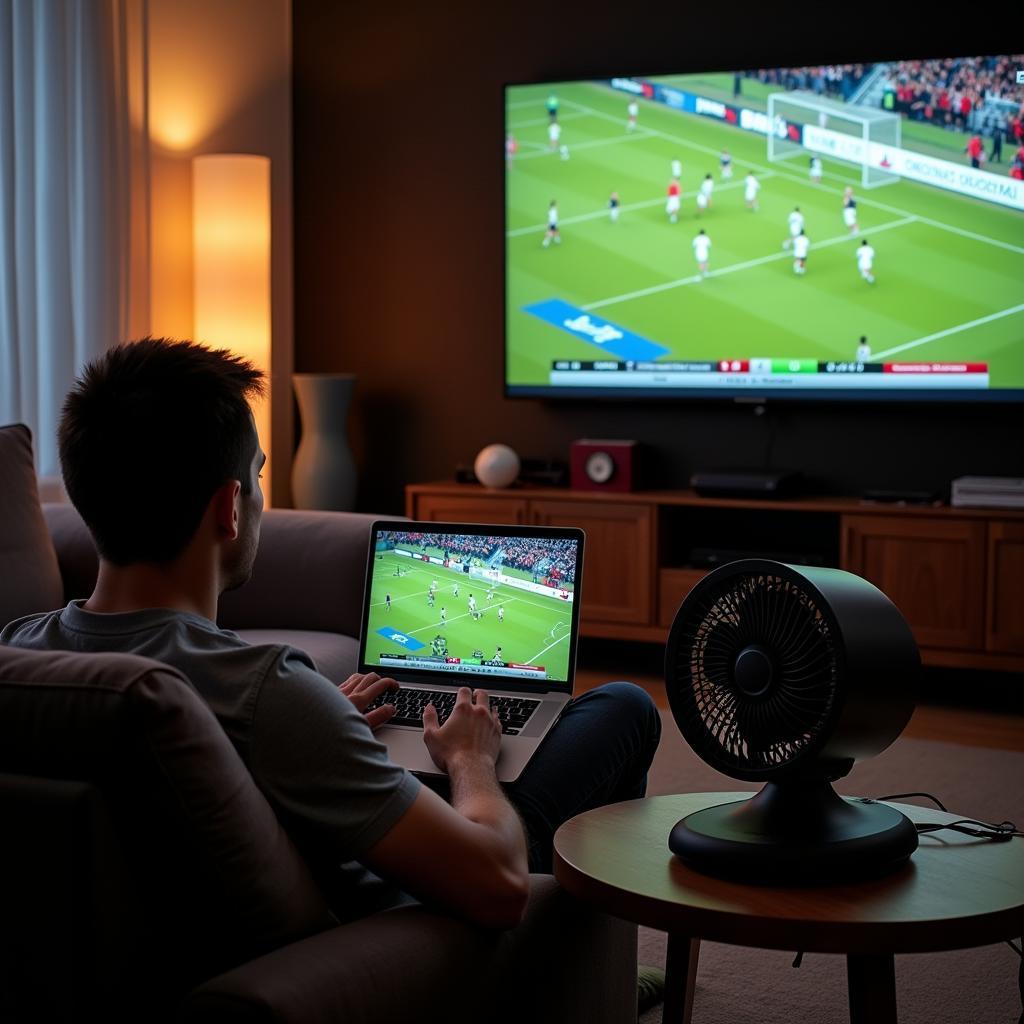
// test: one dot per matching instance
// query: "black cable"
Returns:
(986, 830)
(899, 796)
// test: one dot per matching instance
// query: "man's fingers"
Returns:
(376, 718)
(464, 696)
(430, 717)
(482, 699)
(373, 690)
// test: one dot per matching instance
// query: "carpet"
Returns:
(741, 985)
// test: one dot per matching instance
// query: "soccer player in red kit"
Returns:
(672, 206)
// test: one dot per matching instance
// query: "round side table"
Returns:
(955, 892)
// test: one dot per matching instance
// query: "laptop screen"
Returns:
(468, 600)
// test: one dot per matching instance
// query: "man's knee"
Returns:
(633, 704)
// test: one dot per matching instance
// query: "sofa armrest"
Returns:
(309, 574)
(565, 962)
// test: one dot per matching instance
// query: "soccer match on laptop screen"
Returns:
(470, 603)
(818, 232)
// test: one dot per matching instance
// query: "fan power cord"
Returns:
(1000, 833)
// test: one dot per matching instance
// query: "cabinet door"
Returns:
(617, 560)
(1004, 620)
(466, 508)
(932, 570)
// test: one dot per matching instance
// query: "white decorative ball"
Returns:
(497, 465)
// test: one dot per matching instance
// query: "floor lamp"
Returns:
(231, 261)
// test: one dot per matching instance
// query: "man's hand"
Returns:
(363, 690)
(472, 731)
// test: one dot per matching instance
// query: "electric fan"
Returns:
(786, 675)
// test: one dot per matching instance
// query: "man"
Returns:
(552, 231)
(725, 160)
(613, 206)
(865, 260)
(704, 194)
(701, 250)
(751, 186)
(796, 225)
(815, 170)
(501, 613)
(632, 112)
(850, 211)
(672, 203)
(801, 245)
(975, 150)
(863, 350)
(554, 134)
(160, 456)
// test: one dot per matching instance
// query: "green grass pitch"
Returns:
(946, 266)
(535, 630)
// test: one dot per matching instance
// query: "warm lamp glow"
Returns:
(231, 260)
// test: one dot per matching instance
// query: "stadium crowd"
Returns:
(946, 92)
(523, 553)
(837, 80)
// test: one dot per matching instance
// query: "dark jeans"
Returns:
(598, 753)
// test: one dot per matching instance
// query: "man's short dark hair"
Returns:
(148, 434)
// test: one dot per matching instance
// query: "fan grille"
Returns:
(732, 728)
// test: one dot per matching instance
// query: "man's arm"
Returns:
(469, 857)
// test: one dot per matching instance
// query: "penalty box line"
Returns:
(810, 184)
(733, 267)
(1009, 311)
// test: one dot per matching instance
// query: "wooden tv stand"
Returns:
(956, 574)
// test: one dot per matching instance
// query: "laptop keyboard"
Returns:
(514, 712)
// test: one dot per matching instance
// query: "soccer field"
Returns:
(949, 270)
(535, 630)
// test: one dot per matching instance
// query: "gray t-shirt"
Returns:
(310, 751)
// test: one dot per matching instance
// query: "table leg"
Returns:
(872, 981)
(680, 978)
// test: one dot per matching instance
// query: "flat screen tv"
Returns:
(828, 232)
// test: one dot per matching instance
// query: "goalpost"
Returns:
(839, 131)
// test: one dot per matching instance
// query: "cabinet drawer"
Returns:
(456, 508)
(673, 586)
(1004, 621)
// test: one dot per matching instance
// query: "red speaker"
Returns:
(603, 465)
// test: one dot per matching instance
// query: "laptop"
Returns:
(452, 604)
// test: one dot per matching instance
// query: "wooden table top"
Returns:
(955, 892)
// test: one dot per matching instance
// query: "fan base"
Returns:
(795, 833)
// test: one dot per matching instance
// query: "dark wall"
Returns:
(399, 239)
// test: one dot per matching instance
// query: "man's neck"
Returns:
(129, 588)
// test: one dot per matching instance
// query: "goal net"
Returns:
(854, 135)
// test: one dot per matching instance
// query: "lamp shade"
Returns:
(231, 261)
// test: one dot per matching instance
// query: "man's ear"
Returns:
(225, 503)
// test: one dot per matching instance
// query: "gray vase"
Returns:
(324, 472)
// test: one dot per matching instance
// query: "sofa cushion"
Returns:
(28, 564)
(219, 878)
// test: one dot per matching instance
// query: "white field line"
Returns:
(592, 144)
(810, 184)
(645, 204)
(949, 330)
(746, 265)
(530, 661)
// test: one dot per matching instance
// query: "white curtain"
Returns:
(65, 152)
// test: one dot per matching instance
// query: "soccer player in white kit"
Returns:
(865, 259)
(501, 613)
(726, 161)
(633, 111)
(850, 210)
(672, 203)
(863, 350)
(704, 193)
(554, 134)
(801, 245)
(701, 249)
(816, 170)
(552, 231)
(677, 169)
(796, 225)
(752, 187)
(613, 206)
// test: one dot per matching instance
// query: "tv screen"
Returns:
(826, 232)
